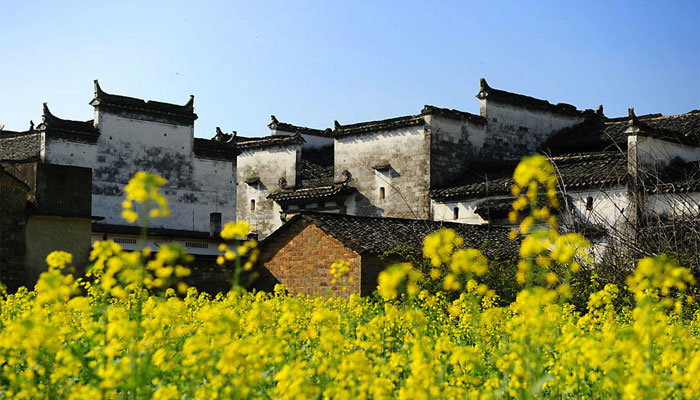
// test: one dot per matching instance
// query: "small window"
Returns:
(214, 223)
(589, 203)
(382, 193)
(455, 213)
(252, 205)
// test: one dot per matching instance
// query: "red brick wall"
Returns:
(301, 258)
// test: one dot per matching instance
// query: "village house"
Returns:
(617, 175)
(449, 165)
(128, 135)
(300, 253)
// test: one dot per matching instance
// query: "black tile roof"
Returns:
(454, 114)
(20, 146)
(377, 235)
(316, 167)
(184, 113)
(312, 175)
(248, 143)
(576, 171)
(501, 96)
(54, 126)
(315, 178)
(312, 193)
(678, 177)
(283, 126)
(596, 134)
(374, 126)
(684, 128)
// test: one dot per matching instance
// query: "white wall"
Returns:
(195, 186)
(672, 204)
(611, 206)
(406, 150)
(269, 164)
(444, 211)
(654, 154)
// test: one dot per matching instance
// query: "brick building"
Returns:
(301, 252)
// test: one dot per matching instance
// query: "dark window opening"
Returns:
(215, 223)
(589, 203)
(252, 205)
(381, 193)
(455, 213)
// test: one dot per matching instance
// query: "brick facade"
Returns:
(301, 258)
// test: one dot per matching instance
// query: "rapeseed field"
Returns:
(130, 329)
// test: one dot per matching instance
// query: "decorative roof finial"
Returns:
(599, 110)
(632, 117)
(190, 103)
(483, 85)
(274, 119)
(46, 114)
(98, 89)
(31, 125)
(336, 124)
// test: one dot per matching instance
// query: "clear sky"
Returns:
(311, 62)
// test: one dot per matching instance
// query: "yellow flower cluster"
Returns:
(58, 343)
(547, 256)
(143, 189)
(397, 278)
(115, 334)
(339, 271)
(243, 249)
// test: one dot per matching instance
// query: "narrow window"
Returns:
(589, 203)
(455, 213)
(381, 193)
(252, 205)
(215, 223)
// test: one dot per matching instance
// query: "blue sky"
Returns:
(311, 62)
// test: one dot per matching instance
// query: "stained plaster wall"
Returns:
(453, 143)
(406, 182)
(514, 132)
(196, 186)
(268, 165)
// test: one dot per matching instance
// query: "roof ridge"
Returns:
(451, 112)
(277, 125)
(265, 141)
(104, 99)
(517, 99)
(377, 125)
(52, 122)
